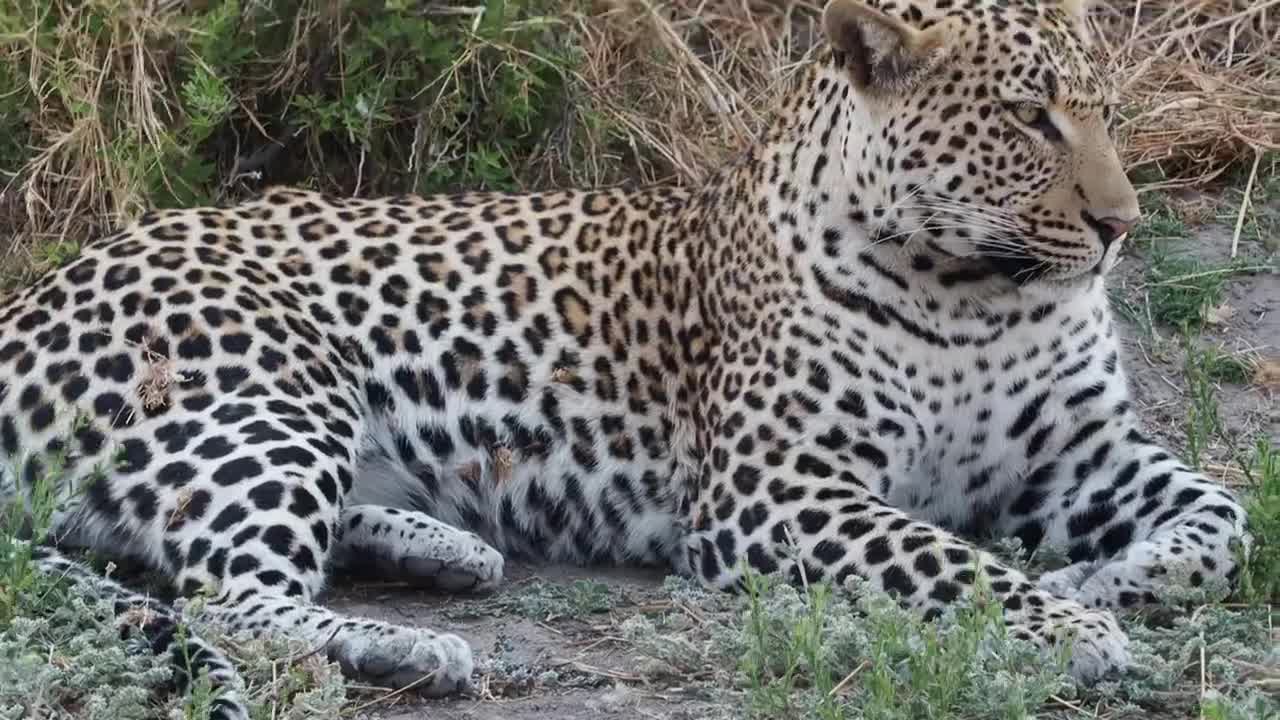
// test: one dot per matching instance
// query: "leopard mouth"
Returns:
(1009, 255)
(1022, 270)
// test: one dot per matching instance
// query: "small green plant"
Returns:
(1226, 367)
(57, 254)
(66, 660)
(1247, 705)
(1260, 576)
(546, 601)
(1160, 224)
(1223, 650)
(1181, 289)
(23, 588)
(814, 653)
(1204, 424)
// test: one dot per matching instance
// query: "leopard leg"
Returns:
(410, 545)
(257, 537)
(834, 527)
(1133, 519)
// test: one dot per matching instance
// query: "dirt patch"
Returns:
(1245, 326)
(547, 644)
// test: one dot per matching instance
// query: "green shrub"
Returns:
(185, 104)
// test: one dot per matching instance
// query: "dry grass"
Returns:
(88, 147)
(1201, 84)
(692, 81)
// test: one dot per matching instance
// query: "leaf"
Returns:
(1267, 373)
(1219, 314)
(494, 20)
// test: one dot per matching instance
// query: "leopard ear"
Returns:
(1078, 12)
(883, 53)
(1078, 8)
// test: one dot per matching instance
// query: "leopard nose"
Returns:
(1118, 226)
(1109, 228)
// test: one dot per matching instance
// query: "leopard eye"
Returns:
(1029, 114)
(1036, 117)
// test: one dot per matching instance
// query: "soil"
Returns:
(1249, 327)
(600, 674)
(598, 668)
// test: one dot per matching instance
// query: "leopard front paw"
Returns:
(1067, 582)
(480, 569)
(395, 657)
(1143, 575)
(1098, 645)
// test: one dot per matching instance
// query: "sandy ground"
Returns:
(1251, 323)
(600, 669)
(603, 672)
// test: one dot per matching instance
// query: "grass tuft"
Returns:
(810, 653)
(108, 108)
(1260, 578)
(827, 653)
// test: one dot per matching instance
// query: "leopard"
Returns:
(874, 339)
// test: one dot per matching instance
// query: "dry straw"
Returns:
(1201, 85)
(690, 80)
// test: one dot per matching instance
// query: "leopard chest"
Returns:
(943, 420)
(994, 404)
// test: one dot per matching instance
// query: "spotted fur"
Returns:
(879, 334)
